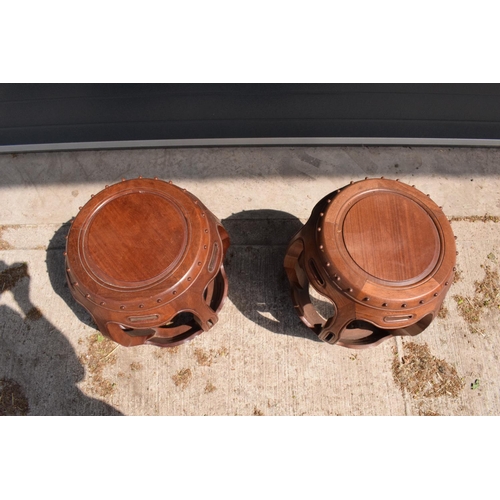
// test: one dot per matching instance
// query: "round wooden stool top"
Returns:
(144, 257)
(384, 254)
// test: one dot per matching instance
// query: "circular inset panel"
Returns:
(135, 237)
(391, 237)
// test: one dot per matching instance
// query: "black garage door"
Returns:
(95, 113)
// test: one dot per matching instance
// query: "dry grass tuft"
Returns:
(476, 218)
(203, 358)
(428, 413)
(13, 401)
(182, 378)
(160, 352)
(458, 276)
(423, 375)
(443, 312)
(486, 297)
(206, 358)
(100, 353)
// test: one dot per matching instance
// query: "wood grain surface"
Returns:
(136, 236)
(391, 237)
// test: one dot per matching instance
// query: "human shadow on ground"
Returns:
(36, 358)
(57, 274)
(258, 285)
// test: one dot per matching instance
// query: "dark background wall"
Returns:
(60, 113)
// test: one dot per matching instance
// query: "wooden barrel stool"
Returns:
(382, 253)
(145, 258)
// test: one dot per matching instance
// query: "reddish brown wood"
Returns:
(145, 258)
(382, 252)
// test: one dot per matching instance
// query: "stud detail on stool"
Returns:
(393, 247)
(148, 259)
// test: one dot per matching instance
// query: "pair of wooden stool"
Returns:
(145, 258)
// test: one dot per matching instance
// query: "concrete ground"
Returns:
(259, 359)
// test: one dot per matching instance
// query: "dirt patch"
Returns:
(443, 312)
(210, 388)
(182, 378)
(428, 413)
(257, 412)
(423, 375)
(468, 308)
(203, 358)
(206, 358)
(34, 314)
(489, 287)
(135, 366)
(13, 401)
(100, 353)
(159, 352)
(10, 276)
(458, 276)
(486, 297)
(4, 245)
(476, 218)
